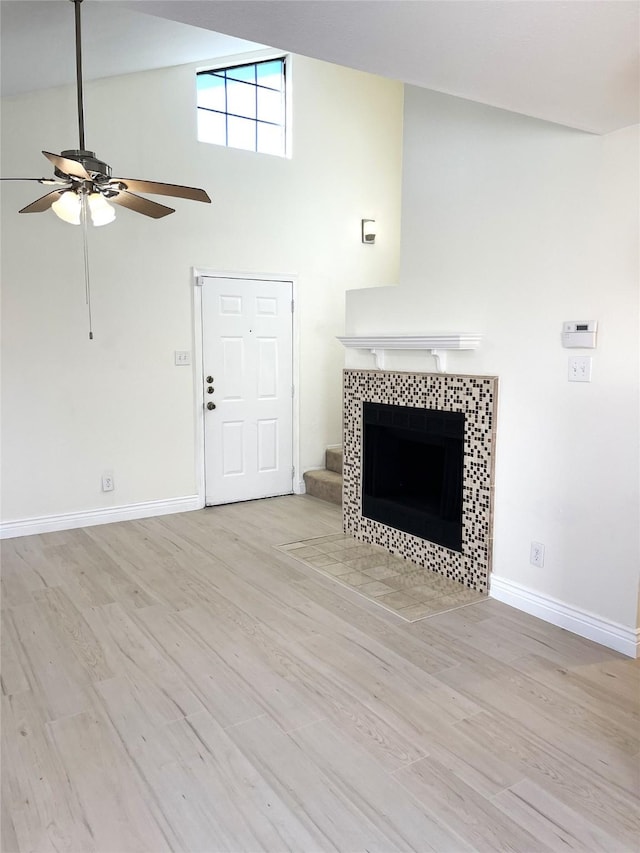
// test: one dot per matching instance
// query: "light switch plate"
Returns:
(580, 368)
(182, 356)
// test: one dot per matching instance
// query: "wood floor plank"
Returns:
(84, 582)
(562, 774)
(411, 701)
(130, 650)
(28, 558)
(252, 814)
(39, 803)
(55, 676)
(550, 820)
(183, 683)
(373, 793)
(282, 698)
(226, 696)
(513, 692)
(295, 668)
(619, 677)
(8, 838)
(501, 689)
(13, 677)
(471, 816)
(113, 808)
(344, 818)
(73, 632)
(553, 642)
(624, 711)
(472, 761)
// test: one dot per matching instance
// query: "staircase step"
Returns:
(333, 459)
(326, 485)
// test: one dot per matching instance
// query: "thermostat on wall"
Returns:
(579, 333)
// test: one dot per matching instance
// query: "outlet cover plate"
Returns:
(536, 555)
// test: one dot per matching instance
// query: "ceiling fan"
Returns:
(85, 187)
(84, 181)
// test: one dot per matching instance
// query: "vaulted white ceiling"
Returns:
(575, 62)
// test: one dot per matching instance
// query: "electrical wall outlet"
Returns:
(536, 556)
(580, 368)
(107, 482)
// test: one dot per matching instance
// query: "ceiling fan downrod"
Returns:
(76, 4)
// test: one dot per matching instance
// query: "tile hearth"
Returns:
(396, 584)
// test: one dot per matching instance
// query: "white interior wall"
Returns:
(73, 408)
(509, 226)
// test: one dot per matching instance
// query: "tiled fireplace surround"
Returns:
(476, 397)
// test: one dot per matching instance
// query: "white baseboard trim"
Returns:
(71, 520)
(607, 633)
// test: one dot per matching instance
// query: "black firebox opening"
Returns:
(413, 469)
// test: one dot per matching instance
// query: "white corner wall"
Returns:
(509, 226)
(71, 408)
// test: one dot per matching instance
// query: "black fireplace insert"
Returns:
(413, 469)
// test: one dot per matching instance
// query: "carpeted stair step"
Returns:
(333, 459)
(326, 485)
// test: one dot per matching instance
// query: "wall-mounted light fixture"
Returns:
(368, 231)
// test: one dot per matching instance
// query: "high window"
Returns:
(244, 106)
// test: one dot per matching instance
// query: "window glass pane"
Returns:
(242, 133)
(241, 99)
(270, 106)
(271, 74)
(243, 107)
(270, 139)
(243, 72)
(204, 79)
(212, 127)
(211, 92)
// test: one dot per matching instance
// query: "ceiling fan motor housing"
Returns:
(90, 162)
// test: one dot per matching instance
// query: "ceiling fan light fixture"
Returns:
(102, 213)
(68, 207)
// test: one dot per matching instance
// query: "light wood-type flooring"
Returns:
(180, 684)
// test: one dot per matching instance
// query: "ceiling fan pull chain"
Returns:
(76, 4)
(85, 243)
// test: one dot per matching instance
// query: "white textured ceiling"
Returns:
(575, 62)
(38, 37)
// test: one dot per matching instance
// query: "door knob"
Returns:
(210, 389)
(209, 380)
(211, 405)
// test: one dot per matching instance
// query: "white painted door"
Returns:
(247, 353)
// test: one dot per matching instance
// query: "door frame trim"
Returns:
(198, 274)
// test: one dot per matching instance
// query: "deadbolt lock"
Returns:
(210, 389)
(209, 380)
(211, 406)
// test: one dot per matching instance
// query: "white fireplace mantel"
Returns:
(436, 343)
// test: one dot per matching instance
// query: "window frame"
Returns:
(246, 59)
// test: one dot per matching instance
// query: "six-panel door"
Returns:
(247, 351)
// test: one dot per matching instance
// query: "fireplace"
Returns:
(413, 470)
(418, 468)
